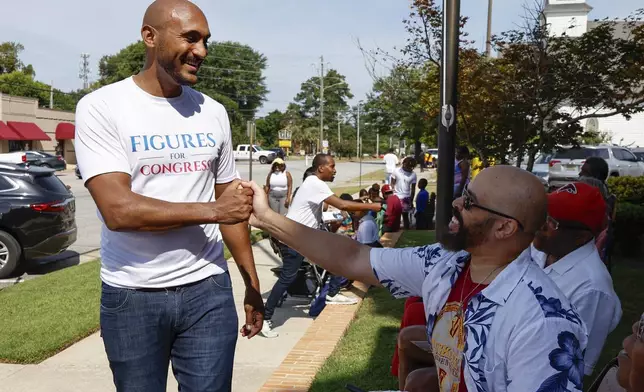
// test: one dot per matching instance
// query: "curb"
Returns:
(297, 371)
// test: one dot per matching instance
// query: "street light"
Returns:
(447, 123)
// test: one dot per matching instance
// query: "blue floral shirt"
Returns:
(521, 333)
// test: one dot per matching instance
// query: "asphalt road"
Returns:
(89, 225)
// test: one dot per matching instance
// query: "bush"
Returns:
(627, 189)
(629, 228)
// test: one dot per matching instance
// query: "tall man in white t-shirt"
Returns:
(391, 162)
(306, 209)
(404, 181)
(157, 159)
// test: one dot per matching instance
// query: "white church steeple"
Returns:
(567, 16)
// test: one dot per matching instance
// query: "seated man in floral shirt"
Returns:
(495, 321)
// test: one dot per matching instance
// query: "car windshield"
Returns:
(543, 159)
(258, 148)
(581, 153)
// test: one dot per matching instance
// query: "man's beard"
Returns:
(464, 238)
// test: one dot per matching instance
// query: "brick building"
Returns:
(25, 126)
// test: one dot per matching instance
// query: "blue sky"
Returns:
(291, 33)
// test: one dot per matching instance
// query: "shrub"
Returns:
(629, 228)
(627, 189)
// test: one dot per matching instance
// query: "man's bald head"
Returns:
(515, 192)
(162, 12)
(175, 33)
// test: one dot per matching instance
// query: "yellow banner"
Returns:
(285, 143)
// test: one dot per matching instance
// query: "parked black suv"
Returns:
(37, 215)
(45, 159)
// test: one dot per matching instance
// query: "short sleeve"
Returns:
(320, 191)
(226, 169)
(402, 271)
(546, 356)
(98, 145)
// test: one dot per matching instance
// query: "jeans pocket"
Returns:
(222, 281)
(114, 299)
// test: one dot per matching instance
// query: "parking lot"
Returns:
(89, 226)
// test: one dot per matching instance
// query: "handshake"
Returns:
(241, 201)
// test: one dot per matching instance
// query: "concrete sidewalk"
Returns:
(83, 367)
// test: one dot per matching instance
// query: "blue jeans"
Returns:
(193, 326)
(292, 261)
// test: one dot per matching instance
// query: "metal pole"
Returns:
(358, 135)
(488, 41)
(377, 144)
(250, 127)
(360, 178)
(447, 123)
(339, 137)
(321, 104)
(51, 96)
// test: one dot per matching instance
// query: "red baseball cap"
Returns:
(386, 189)
(578, 202)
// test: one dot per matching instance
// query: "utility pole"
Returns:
(51, 95)
(84, 70)
(321, 103)
(339, 136)
(358, 135)
(447, 123)
(377, 143)
(488, 41)
(250, 129)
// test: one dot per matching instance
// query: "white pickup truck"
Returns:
(263, 156)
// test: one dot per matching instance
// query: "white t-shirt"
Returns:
(391, 160)
(404, 180)
(175, 150)
(306, 206)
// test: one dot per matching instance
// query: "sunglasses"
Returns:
(554, 225)
(469, 203)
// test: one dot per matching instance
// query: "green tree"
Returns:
(232, 74)
(10, 59)
(268, 128)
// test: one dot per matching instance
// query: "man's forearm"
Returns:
(339, 255)
(237, 240)
(143, 213)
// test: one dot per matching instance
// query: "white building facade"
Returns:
(570, 17)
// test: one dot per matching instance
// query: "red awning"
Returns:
(7, 133)
(28, 130)
(65, 131)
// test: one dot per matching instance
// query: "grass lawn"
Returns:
(42, 316)
(363, 356)
(369, 178)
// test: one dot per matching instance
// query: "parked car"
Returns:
(639, 153)
(16, 157)
(37, 215)
(45, 159)
(259, 154)
(566, 163)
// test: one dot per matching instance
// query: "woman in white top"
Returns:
(279, 186)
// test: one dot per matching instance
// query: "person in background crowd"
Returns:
(279, 187)
(393, 211)
(565, 248)
(595, 172)
(630, 374)
(363, 195)
(166, 294)
(391, 162)
(374, 194)
(306, 210)
(349, 225)
(403, 180)
(497, 323)
(367, 231)
(596, 167)
(422, 206)
(461, 170)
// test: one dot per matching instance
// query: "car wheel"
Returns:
(10, 253)
(263, 160)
